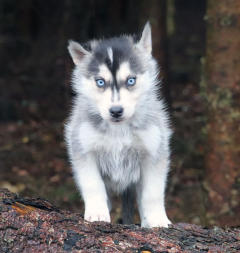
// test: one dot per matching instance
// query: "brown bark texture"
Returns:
(35, 225)
(222, 92)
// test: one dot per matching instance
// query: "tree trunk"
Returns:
(35, 225)
(222, 92)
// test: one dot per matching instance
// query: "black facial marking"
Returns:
(122, 50)
(108, 63)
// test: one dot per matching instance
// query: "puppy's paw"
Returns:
(97, 214)
(155, 221)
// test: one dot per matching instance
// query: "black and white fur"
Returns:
(130, 152)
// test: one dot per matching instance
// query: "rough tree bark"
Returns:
(35, 225)
(222, 92)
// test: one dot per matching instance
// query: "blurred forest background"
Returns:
(197, 44)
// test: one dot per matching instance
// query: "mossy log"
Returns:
(35, 225)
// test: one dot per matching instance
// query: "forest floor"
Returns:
(33, 162)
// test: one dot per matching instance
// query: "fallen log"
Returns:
(35, 225)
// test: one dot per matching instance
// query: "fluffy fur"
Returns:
(130, 152)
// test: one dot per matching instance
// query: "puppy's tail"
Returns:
(128, 206)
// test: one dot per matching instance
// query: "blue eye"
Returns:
(100, 83)
(131, 81)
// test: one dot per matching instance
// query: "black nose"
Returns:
(116, 111)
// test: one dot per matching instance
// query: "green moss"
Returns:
(219, 98)
(227, 20)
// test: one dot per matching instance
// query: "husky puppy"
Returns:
(118, 132)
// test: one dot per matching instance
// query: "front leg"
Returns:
(150, 193)
(92, 188)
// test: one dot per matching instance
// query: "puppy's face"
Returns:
(116, 95)
(114, 74)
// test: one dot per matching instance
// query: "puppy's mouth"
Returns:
(117, 120)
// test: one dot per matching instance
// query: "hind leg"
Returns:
(128, 200)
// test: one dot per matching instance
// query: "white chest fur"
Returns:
(117, 153)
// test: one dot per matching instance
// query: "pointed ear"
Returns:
(76, 51)
(146, 39)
